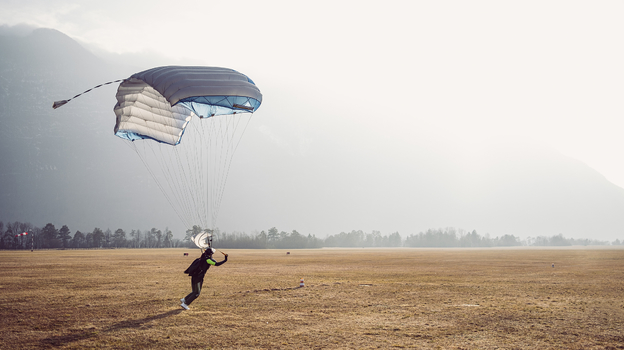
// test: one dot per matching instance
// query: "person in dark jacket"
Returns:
(197, 271)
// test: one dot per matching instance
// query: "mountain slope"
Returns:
(62, 166)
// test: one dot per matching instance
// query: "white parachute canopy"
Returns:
(203, 240)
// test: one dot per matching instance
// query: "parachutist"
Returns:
(197, 271)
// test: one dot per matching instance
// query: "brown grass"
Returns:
(352, 299)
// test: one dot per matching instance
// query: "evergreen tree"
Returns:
(50, 237)
(98, 238)
(79, 240)
(65, 236)
(119, 238)
(108, 238)
(9, 237)
(89, 240)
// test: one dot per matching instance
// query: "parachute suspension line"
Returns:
(187, 171)
(181, 177)
(133, 145)
(231, 145)
(222, 155)
(175, 174)
(193, 174)
(221, 140)
(206, 160)
(196, 181)
(189, 174)
(216, 141)
(172, 168)
(202, 166)
(174, 182)
(203, 163)
(58, 104)
(183, 169)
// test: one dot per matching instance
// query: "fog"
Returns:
(504, 118)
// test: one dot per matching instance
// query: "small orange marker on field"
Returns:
(301, 284)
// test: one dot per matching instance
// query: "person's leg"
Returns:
(196, 284)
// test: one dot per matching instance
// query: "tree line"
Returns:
(49, 237)
(451, 237)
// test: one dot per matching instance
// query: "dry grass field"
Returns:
(352, 299)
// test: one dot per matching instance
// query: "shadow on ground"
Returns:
(93, 332)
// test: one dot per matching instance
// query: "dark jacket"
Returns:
(200, 266)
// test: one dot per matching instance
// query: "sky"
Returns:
(542, 71)
(469, 76)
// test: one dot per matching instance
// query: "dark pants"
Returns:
(196, 284)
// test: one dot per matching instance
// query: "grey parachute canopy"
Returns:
(158, 103)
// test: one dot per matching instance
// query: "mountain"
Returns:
(66, 167)
(63, 166)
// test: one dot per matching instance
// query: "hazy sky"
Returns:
(548, 72)
(467, 75)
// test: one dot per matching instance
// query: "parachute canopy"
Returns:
(203, 240)
(158, 103)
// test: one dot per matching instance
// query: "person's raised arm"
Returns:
(222, 262)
